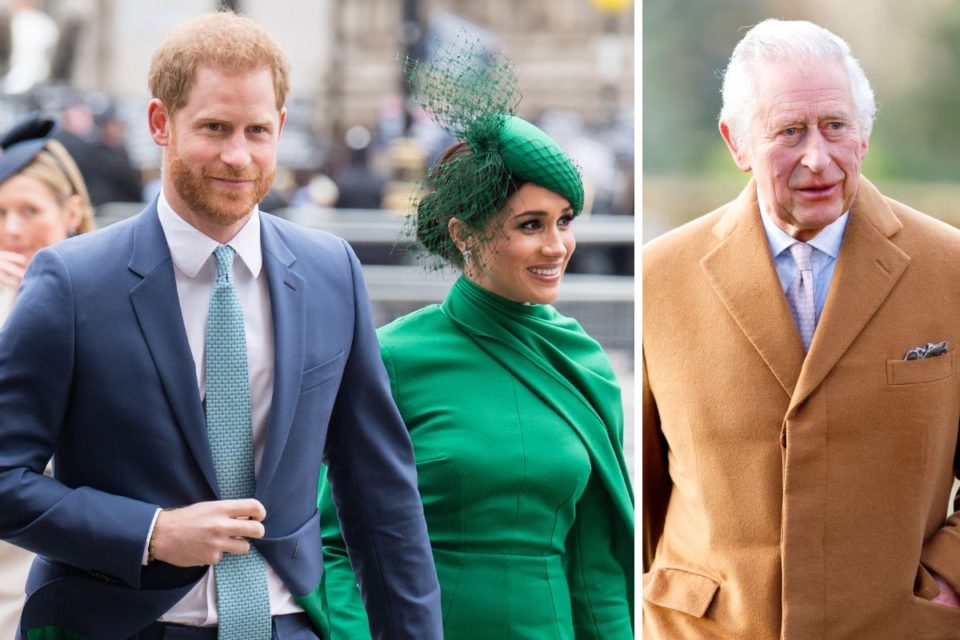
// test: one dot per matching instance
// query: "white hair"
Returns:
(774, 41)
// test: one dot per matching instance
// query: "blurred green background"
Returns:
(909, 50)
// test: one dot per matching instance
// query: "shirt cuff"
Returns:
(146, 545)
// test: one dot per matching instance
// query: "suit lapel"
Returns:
(289, 331)
(742, 272)
(868, 267)
(153, 298)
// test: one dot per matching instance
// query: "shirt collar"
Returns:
(190, 248)
(828, 240)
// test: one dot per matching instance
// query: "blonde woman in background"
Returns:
(43, 200)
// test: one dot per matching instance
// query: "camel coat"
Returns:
(793, 497)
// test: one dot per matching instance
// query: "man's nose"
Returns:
(816, 156)
(235, 152)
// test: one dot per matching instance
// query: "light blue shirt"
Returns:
(823, 258)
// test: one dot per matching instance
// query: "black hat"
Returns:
(22, 142)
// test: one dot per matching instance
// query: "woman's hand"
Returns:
(12, 267)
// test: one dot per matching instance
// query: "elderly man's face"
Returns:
(805, 146)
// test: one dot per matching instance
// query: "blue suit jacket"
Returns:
(95, 369)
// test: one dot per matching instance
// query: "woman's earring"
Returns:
(466, 253)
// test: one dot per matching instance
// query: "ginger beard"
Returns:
(197, 186)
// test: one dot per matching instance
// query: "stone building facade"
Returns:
(569, 54)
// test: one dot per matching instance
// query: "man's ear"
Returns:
(159, 121)
(283, 118)
(740, 153)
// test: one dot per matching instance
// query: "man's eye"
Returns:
(214, 126)
(791, 131)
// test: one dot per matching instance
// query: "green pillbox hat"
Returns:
(532, 155)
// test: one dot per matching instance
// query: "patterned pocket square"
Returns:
(929, 350)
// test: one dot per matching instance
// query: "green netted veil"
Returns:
(473, 94)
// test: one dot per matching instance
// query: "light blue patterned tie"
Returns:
(242, 597)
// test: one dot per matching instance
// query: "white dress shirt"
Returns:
(195, 271)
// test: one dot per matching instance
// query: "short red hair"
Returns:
(225, 40)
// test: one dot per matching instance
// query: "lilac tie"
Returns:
(800, 293)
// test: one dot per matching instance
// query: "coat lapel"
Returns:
(289, 331)
(153, 298)
(868, 267)
(742, 272)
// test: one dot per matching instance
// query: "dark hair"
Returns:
(453, 178)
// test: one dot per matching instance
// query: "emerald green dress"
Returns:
(516, 419)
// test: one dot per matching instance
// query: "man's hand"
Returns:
(12, 267)
(947, 596)
(201, 533)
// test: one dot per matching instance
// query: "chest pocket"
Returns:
(923, 370)
(321, 373)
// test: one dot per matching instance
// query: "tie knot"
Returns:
(801, 255)
(224, 256)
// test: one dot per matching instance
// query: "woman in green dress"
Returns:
(514, 411)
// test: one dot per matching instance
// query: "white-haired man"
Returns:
(800, 390)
